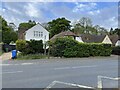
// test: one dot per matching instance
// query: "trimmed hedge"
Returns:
(116, 50)
(29, 47)
(58, 47)
(66, 47)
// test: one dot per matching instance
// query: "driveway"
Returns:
(5, 56)
(41, 73)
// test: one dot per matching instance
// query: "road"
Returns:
(41, 73)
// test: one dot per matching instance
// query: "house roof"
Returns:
(92, 38)
(98, 38)
(65, 33)
(114, 38)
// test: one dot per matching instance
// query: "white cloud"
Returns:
(95, 12)
(14, 10)
(84, 7)
(31, 10)
(108, 17)
(44, 12)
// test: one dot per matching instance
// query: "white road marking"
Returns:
(61, 68)
(11, 72)
(84, 66)
(100, 82)
(70, 84)
(26, 63)
(16, 64)
(4, 64)
(51, 85)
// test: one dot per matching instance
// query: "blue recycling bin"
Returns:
(14, 54)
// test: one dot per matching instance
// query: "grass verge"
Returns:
(30, 56)
(1, 53)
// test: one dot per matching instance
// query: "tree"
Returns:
(85, 22)
(45, 25)
(117, 31)
(12, 26)
(58, 25)
(26, 25)
(84, 25)
(0, 36)
(8, 34)
(111, 31)
(77, 29)
(102, 31)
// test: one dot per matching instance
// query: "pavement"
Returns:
(5, 56)
(60, 73)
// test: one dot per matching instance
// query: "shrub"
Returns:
(36, 46)
(70, 48)
(116, 50)
(29, 47)
(60, 45)
(21, 45)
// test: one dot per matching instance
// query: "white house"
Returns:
(79, 39)
(88, 38)
(117, 43)
(37, 32)
(107, 40)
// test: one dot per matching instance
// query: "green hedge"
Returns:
(116, 50)
(58, 47)
(29, 47)
(66, 47)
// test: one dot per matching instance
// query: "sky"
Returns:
(104, 14)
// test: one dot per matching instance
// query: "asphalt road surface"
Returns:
(42, 73)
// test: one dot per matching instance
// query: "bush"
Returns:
(70, 48)
(29, 47)
(36, 46)
(116, 50)
(78, 50)
(21, 45)
(60, 45)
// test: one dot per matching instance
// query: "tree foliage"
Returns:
(7, 33)
(114, 31)
(58, 25)
(84, 25)
(26, 25)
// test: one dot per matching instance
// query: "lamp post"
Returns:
(45, 45)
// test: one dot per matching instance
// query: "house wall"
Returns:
(30, 33)
(107, 40)
(117, 43)
(79, 39)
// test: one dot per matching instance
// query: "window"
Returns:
(34, 33)
(45, 37)
(38, 34)
(41, 34)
